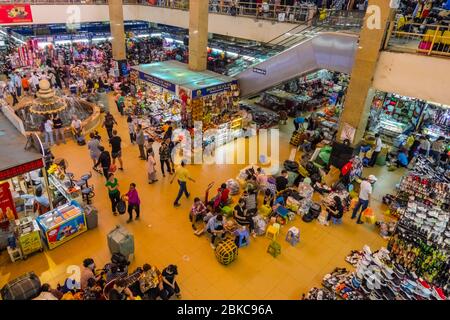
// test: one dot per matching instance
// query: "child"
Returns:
(208, 215)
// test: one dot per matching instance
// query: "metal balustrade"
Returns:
(432, 40)
(291, 14)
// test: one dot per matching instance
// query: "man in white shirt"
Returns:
(48, 127)
(376, 151)
(76, 127)
(34, 82)
(365, 194)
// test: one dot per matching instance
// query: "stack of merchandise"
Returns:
(379, 277)
(319, 294)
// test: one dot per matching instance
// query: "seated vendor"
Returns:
(40, 201)
(335, 210)
(198, 210)
(242, 217)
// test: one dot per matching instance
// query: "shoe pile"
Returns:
(339, 281)
(381, 279)
(430, 192)
(319, 294)
(354, 257)
(424, 167)
(431, 223)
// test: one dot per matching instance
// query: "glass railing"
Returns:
(432, 40)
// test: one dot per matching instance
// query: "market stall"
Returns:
(169, 91)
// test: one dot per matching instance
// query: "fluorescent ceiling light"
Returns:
(155, 35)
(3, 32)
(80, 40)
(63, 42)
(143, 35)
(232, 53)
(99, 39)
(43, 44)
(179, 41)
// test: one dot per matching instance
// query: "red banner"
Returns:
(21, 169)
(15, 13)
(7, 206)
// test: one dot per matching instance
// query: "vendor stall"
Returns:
(169, 91)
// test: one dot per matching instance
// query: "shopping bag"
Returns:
(121, 206)
(281, 16)
(112, 168)
(353, 203)
(368, 216)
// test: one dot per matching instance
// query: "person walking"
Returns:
(120, 103)
(116, 149)
(182, 175)
(376, 151)
(59, 131)
(365, 194)
(140, 140)
(113, 191)
(131, 129)
(104, 160)
(12, 91)
(48, 131)
(133, 202)
(151, 168)
(109, 123)
(164, 158)
(18, 84)
(93, 146)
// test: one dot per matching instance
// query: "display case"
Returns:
(62, 224)
(63, 187)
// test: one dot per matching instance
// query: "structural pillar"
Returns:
(358, 101)
(117, 29)
(198, 34)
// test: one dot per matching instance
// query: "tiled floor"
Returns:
(164, 236)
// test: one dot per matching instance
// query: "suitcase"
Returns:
(25, 287)
(121, 241)
(91, 214)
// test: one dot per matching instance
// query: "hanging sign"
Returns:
(213, 89)
(15, 13)
(21, 169)
(348, 132)
(7, 206)
(260, 71)
(159, 82)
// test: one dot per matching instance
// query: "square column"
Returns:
(357, 101)
(117, 29)
(198, 34)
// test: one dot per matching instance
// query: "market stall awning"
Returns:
(14, 159)
(172, 74)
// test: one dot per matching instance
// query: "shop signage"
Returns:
(21, 169)
(212, 90)
(260, 71)
(7, 206)
(159, 82)
(15, 13)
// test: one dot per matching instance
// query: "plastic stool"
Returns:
(273, 231)
(227, 211)
(243, 237)
(274, 249)
(293, 236)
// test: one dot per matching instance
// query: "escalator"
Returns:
(328, 50)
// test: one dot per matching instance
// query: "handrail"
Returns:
(429, 39)
(281, 13)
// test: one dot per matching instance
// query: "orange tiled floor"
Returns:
(164, 236)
